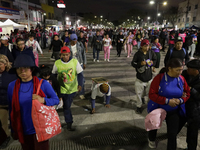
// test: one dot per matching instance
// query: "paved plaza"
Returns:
(115, 128)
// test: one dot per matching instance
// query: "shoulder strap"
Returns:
(170, 52)
(184, 51)
(38, 89)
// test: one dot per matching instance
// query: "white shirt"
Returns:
(36, 47)
(107, 41)
(74, 51)
(96, 91)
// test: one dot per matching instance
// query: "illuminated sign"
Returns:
(61, 4)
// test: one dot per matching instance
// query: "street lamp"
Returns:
(148, 18)
(95, 16)
(157, 8)
(101, 16)
(67, 18)
(152, 2)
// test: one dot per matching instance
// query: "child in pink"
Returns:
(130, 43)
(106, 47)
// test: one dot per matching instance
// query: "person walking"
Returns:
(70, 78)
(107, 45)
(156, 47)
(21, 93)
(139, 38)
(31, 43)
(120, 41)
(169, 91)
(192, 47)
(96, 44)
(143, 61)
(130, 43)
(56, 44)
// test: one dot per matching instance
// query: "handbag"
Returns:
(45, 119)
(134, 42)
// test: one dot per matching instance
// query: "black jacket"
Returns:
(56, 45)
(136, 63)
(94, 41)
(118, 39)
(192, 106)
(5, 51)
(5, 79)
(177, 54)
(27, 50)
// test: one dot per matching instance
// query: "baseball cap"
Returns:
(73, 37)
(65, 49)
(145, 42)
(4, 38)
(179, 39)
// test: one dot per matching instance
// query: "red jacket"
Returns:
(154, 88)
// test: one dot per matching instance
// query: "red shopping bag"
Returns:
(45, 119)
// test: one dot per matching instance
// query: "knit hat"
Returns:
(24, 60)
(145, 42)
(104, 88)
(5, 61)
(195, 63)
(179, 39)
(65, 49)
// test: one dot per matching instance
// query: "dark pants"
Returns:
(119, 49)
(95, 51)
(82, 92)
(31, 143)
(56, 55)
(67, 102)
(162, 42)
(192, 134)
(175, 122)
(3, 135)
(171, 46)
(157, 60)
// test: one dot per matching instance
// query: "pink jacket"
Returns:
(154, 119)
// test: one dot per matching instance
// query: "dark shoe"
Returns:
(5, 143)
(69, 127)
(138, 110)
(143, 101)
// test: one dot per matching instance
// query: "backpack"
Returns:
(171, 51)
(189, 40)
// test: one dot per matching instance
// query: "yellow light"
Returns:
(152, 2)
(164, 3)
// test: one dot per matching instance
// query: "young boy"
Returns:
(35, 45)
(45, 73)
(143, 61)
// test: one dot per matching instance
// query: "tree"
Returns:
(172, 15)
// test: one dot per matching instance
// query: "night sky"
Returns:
(115, 8)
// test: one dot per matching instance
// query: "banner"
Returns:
(1, 30)
(22, 15)
(8, 11)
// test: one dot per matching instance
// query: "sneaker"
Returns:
(192, 58)
(152, 144)
(104, 59)
(94, 60)
(108, 60)
(52, 58)
(82, 97)
(138, 110)
(60, 105)
(97, 60)
(128, 56)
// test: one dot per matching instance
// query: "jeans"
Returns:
(67, 102)
(95, 51)
(138, 44)
(192, 49)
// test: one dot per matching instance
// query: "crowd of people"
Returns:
(174, 90)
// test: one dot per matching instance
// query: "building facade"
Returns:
(189, 14)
